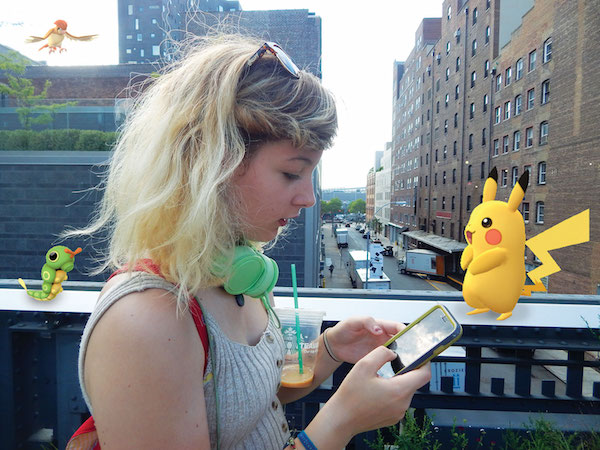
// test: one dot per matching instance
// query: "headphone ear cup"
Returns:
(266, 282)
(248, 267)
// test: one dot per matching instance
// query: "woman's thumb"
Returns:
(373, 361)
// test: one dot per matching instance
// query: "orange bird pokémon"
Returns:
(56, 36)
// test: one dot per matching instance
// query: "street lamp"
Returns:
(401, 203)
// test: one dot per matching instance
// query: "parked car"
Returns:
(358, 228)
(388, 250)
(348, 225)
(361, 231)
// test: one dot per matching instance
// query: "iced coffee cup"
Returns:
(299, 369)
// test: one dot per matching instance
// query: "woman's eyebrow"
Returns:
(304, 159)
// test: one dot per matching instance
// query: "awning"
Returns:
(439, 242)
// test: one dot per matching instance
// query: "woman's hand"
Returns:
(351, 339)
(366, 401)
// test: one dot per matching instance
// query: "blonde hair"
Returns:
(167, 193)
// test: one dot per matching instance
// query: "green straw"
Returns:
(297, 317)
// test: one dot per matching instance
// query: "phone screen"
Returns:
(417, 341)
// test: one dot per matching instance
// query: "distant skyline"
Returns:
(360, 45)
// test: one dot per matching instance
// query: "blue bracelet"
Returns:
(305, 440)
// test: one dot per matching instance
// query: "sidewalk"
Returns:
(340, 278)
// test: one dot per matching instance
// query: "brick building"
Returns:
(490, 74)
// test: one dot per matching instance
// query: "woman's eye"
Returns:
(291, 176)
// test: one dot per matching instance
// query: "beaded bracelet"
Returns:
(305, 440)
(328, 348)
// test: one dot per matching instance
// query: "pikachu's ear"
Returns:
(490, 186)
(518, 192)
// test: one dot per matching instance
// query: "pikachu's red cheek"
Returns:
(493, 237)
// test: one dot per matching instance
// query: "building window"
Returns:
(446, 126)
(129, 10)
(444, 177)
(436, 155)
(155, 50)
(487, 35)
(485, 102)
(468, 203)
(525, 208)
(547, 50)
(496, 148)
(137, 24)
(472, 111)
(470, 173)
(515, 176)
(539, 212)
(518, 104)
(507, 110)
(457, 34)
(473, 78)
(482, 171)
(545, 92)
(454, 146)
(504, 178)
(528, 169)
(445, 152)
(498, 82)
(458, 63)
(530, 99)
(507, 76)
(435, 179)
(447, 100)
(471, 141)
(519, 69)
(447, 47)
(474, 16)
(543, 133)
(498, 114)
(426, 180)
(486, 68)
(139, 37)
(474, 47)
(437, 107)
(488, 4)
(453, 205)
(437, 85)
(443, 207)
(455, 120)
(529, 137)
(505, 144)
(483, 137)
(456, 92)
(532, 58)
(449, 12)
(447, 73)
(453, 176)
(542, 173)
(517, 141)
(142, 52)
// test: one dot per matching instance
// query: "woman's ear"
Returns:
(490, 186)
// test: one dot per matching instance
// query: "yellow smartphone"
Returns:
(421, 341)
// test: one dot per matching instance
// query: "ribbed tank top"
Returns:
(240, 382)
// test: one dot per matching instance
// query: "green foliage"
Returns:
(83, 140)
(410, 436)
(29, 105)
(540, 435)
(357, 206)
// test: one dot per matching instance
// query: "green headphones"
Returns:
(251, 273)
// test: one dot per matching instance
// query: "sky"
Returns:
(359, 47)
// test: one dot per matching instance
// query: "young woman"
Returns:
(216, 156)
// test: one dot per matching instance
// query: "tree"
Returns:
(23, 91)
(357, 206)
(335, 206)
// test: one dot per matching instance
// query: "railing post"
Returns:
(473, 370)
(523, 373)
(575, 374)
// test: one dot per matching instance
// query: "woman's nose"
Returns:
(305, 198)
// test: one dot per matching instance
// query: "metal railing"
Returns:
(39, 343)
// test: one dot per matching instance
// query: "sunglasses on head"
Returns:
(283, 58)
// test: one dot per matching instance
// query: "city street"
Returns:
(356, 241)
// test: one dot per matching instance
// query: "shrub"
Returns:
(84, 140)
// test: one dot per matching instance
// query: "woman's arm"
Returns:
(364, 401)
(143, 372)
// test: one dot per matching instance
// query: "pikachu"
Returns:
(494, 258)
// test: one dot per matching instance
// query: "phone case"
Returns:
(432, 353)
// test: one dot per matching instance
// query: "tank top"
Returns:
(240, 381)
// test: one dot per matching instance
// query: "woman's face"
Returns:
(274, 186)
